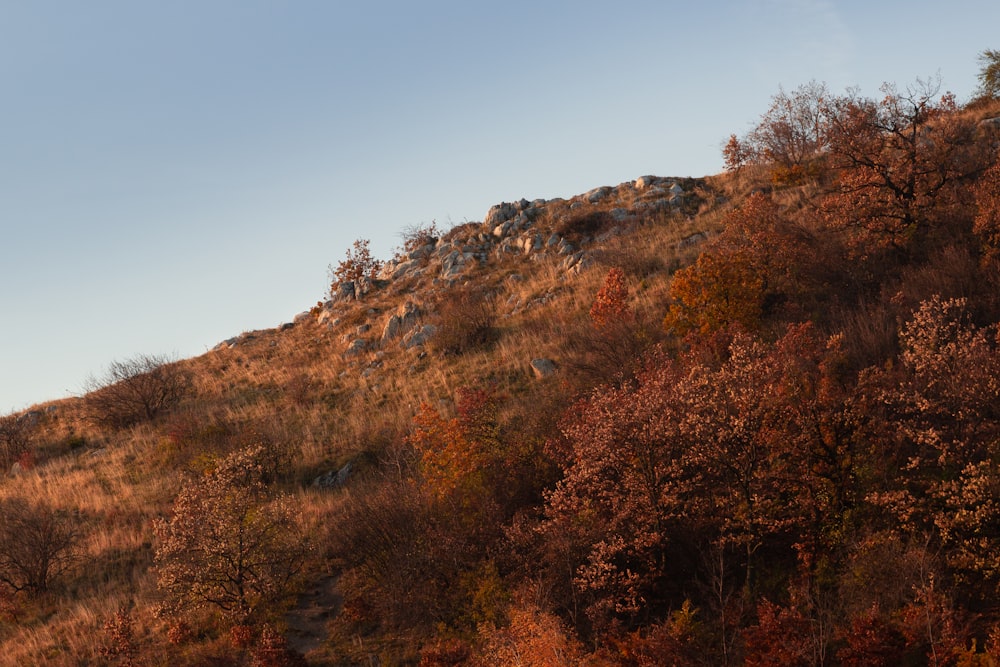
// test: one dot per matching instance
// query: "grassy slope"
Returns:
(295, 388)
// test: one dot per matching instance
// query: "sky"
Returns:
(173, 174)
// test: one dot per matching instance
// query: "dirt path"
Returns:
(307, 621)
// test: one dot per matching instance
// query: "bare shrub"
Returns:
(468, 322)
(587, 223)
(228, 547)
(135, 390)
(36, 545)
(417, 236)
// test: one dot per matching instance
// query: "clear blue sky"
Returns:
(175, 173)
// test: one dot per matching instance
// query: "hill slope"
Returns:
(742, 419)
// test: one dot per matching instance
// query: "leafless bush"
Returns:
(588, 223)
(36, 545)
(468, 322)
(418, 236)
(135, 390)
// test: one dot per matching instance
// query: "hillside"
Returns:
(743, 419)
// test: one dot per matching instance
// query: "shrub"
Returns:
(135, 390)
(418, 236)
(36, 545)
(227, 547)
(588, 223)
(358, 265)
(468, 322)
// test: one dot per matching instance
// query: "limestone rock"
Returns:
(401, 321)
(499, 213)
(644, 182)
(597, 194)
(543, 367)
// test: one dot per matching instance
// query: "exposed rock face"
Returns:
(401, 322)
(509, 230)
(356, 347)
(419, 338)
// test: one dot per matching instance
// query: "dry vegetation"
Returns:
(711, 476)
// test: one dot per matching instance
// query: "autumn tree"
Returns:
(714, 293)
(736, 154)
(135, 390)
(901, 163)
(460, 455)
(946, 426)
(622, 491)
(789, 136)
(467, 321)
(227, 546)
(792, 131)
(37, 544)
(762, 261)
(611, 303)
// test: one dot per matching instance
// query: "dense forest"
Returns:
(767, 432)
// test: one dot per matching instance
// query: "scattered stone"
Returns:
(990, 124)
(356, 347)
(644, 182)
(693, 239)
(543, 367)
(597, 194)
(401, 322)
(334, 479)
(499, 213)
(344, 292)
(419, 337)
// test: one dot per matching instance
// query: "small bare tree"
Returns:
(228, 546)
(36, 545)
(135, 390)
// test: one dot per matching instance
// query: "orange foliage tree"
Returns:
(902, 163)
(714, 293)
(611, 303)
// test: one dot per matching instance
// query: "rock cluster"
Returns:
(509, 229)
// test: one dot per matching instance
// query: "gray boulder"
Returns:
(597, 194)
(334, 479)
(401, 321)
(543, 367)
(499, 214)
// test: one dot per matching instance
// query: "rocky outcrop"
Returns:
(509, 230)
(401, 322)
